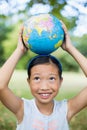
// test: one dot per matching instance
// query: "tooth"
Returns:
(45, 94)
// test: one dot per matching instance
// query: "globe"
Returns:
(43, 33)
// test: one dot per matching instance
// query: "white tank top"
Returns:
(34, 120)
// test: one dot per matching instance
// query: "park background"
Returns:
(74, 14)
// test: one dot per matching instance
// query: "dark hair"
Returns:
(42, 59)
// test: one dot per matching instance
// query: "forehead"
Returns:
(44, 68)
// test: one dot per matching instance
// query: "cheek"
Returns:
(57, 86)
(33, 87)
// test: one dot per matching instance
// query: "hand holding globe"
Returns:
(43, 34)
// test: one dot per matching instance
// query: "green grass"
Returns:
(20, 87)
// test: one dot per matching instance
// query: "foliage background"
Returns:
(10, 25)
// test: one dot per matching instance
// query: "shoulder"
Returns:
(27, 102)
(61, 105)
(61, 110)
(25, 109)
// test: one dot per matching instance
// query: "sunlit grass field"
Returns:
(72, 84)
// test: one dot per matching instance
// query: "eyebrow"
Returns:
(35, 73)
(48, 74)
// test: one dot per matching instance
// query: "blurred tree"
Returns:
(81, 44)
(18, 11)
(3, 35)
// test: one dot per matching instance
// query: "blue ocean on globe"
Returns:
(43, 33)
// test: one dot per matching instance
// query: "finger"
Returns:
(24, 44)
(21, 30)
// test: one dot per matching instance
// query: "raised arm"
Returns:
(77, 103)
(67, 45)
(7, 97)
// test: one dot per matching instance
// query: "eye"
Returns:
(52, 78)
(37, 78)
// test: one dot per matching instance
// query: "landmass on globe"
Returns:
(43, 33)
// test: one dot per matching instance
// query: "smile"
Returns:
(45, 95)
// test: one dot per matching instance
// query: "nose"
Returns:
(44, 85)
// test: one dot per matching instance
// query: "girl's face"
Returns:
(44, 82)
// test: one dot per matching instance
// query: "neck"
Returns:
(45, 108)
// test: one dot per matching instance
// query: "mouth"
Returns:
(45, 95)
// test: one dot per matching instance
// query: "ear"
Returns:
(28, 80)
(61, 80)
